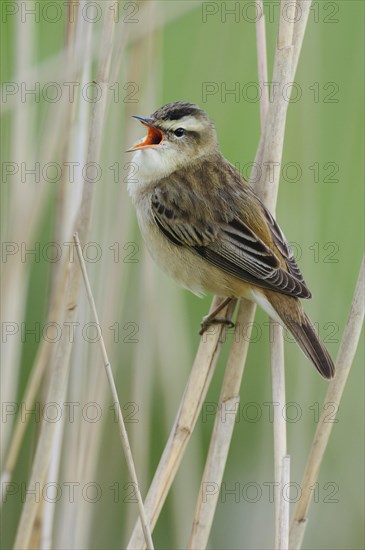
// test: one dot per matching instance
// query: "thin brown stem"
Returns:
(346, 354)
(122, 429)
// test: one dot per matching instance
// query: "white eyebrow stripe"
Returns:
(189, 123)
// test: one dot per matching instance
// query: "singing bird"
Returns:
(206, 227)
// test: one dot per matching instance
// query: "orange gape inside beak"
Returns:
(154, 137)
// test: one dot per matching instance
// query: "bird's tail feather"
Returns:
(295, 319)
(314, 349)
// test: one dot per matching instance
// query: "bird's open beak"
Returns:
(153, 138)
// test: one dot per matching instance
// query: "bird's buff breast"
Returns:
(184, 266)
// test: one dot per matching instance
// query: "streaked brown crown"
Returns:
(177, 110)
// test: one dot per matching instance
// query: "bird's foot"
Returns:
(207, 321)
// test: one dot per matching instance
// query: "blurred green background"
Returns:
(320, 209)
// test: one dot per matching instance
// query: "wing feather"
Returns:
(229, 244)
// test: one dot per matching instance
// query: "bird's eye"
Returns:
(179, 132)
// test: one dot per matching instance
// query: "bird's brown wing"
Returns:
(284, 247)
(224, 240)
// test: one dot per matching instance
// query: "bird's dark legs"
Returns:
(213, 319)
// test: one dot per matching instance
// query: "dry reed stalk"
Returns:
(228, 407)
(262, 63)
(63, 114)
(289, 42)
(303, 7)
(60, 371)
(290, 38)
(46, 511)
(62, 212)
(81, 439)
(284, 507)
(272, 155)
(27, 210)
(19, 214)
(281, 459)
(194, 395)
(122, 429)
(62, 117)
(345, 357)
(276, 117)
(63, 219)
